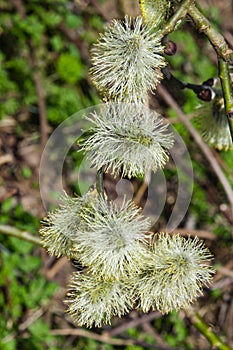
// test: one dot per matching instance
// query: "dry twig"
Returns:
(205, 149)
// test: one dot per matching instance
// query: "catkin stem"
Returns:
(23, 235)
(216, 39)
(176, 19)
(206, 330)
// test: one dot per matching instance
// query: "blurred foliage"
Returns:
(37, 36)
(23, 288)
(54, 38)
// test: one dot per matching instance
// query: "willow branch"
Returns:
(224, 75)
(91, 335)
(216, 39)
(23, 235)
(176, 19)
(206, 330)
(136, 322)
(205, 149)
(105, 339)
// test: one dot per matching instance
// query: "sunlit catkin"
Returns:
(127, 60)
(128, 140)
(175, 273)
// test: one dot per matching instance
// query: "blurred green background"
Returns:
(44, 63)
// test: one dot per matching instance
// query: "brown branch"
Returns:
(142, 189)
(105, 339)
(42, 109)
(148, 328)
(99, 10)
(72, 36)
(18, 4)
(205, 149)
(225, 271)
(6, 158)
(132, 324)
(56, 268)
(91, 335)
(23, 326)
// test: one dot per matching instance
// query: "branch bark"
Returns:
(216, 39)
(176, 19)
(206, 330)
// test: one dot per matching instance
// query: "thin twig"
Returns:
(225, 271)
(132, 324)
(100, 10)
(23, 326)
(56, 268)
(224, 75)
(19, 7)
(42, 109)
(205, 149)
(24, 235)
(72, 36)
(142, 189)
(6, 158)
(149, 328)
(105, 339)
(91, 335)
(176, 19)
(216, 39)
(206, 330)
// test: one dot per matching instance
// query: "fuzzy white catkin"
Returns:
(61, 226)
(128, 140)
(127, 61)
(93, 301)
(112, 241)
(213, 124)
(175, 273)
(155, 12)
